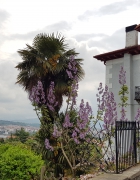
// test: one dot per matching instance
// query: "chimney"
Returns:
(131, 36)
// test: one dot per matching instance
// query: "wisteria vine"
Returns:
(123, 93)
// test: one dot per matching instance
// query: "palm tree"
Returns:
(46, 60)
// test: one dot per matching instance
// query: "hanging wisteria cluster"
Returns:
(124, 88)
(137, 117)
(107, 107)
(37, 94)
(72, 69)
(122, 76)
(123, 92)
(47, 145)
(56, 132)
(123, 114)
(78, 129)
(74, 92)
(51, 100)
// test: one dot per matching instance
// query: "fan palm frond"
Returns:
(47, 60)
(49, 45)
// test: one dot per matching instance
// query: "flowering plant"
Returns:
(75, 134)
(107, 110)
(137, 117)
(123, 93)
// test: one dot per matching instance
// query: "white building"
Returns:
(129, 58)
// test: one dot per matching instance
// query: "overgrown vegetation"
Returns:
(72, 142)
(17, 161)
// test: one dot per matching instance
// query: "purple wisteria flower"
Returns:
(37, 94)
(84, 112)
(71, 69)
(81, 128)
(51, 100)
(122, 76)
(74, 94)
(56, 133)
(123, 115)
(67, 122)
(82, 135)
(106, 106)
(76, 141)
(47, 145)
(100, 97)
(122, 81)
(74, 134)
(69, 73)
(137, 117)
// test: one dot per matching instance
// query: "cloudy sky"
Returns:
(90, 26)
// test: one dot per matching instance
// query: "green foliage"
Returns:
(18, 162)
(33, 144)
(1, 140)
(123, 95)
(21, 135)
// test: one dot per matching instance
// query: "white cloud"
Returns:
(91, 27)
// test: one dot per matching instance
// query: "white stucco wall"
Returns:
(131, 65)
(131, 38)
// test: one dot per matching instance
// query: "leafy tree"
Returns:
(33, 144)
(21, 135)
(1, 140)
(18, 162)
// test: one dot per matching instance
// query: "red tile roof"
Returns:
(118, 53)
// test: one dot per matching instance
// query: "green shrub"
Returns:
(18, 162)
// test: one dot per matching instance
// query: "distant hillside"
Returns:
(6, 123)
(28, 121)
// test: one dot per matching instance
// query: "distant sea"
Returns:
(28, 121)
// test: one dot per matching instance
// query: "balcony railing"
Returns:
(127, 137)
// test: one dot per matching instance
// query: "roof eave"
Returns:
(118, 53)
